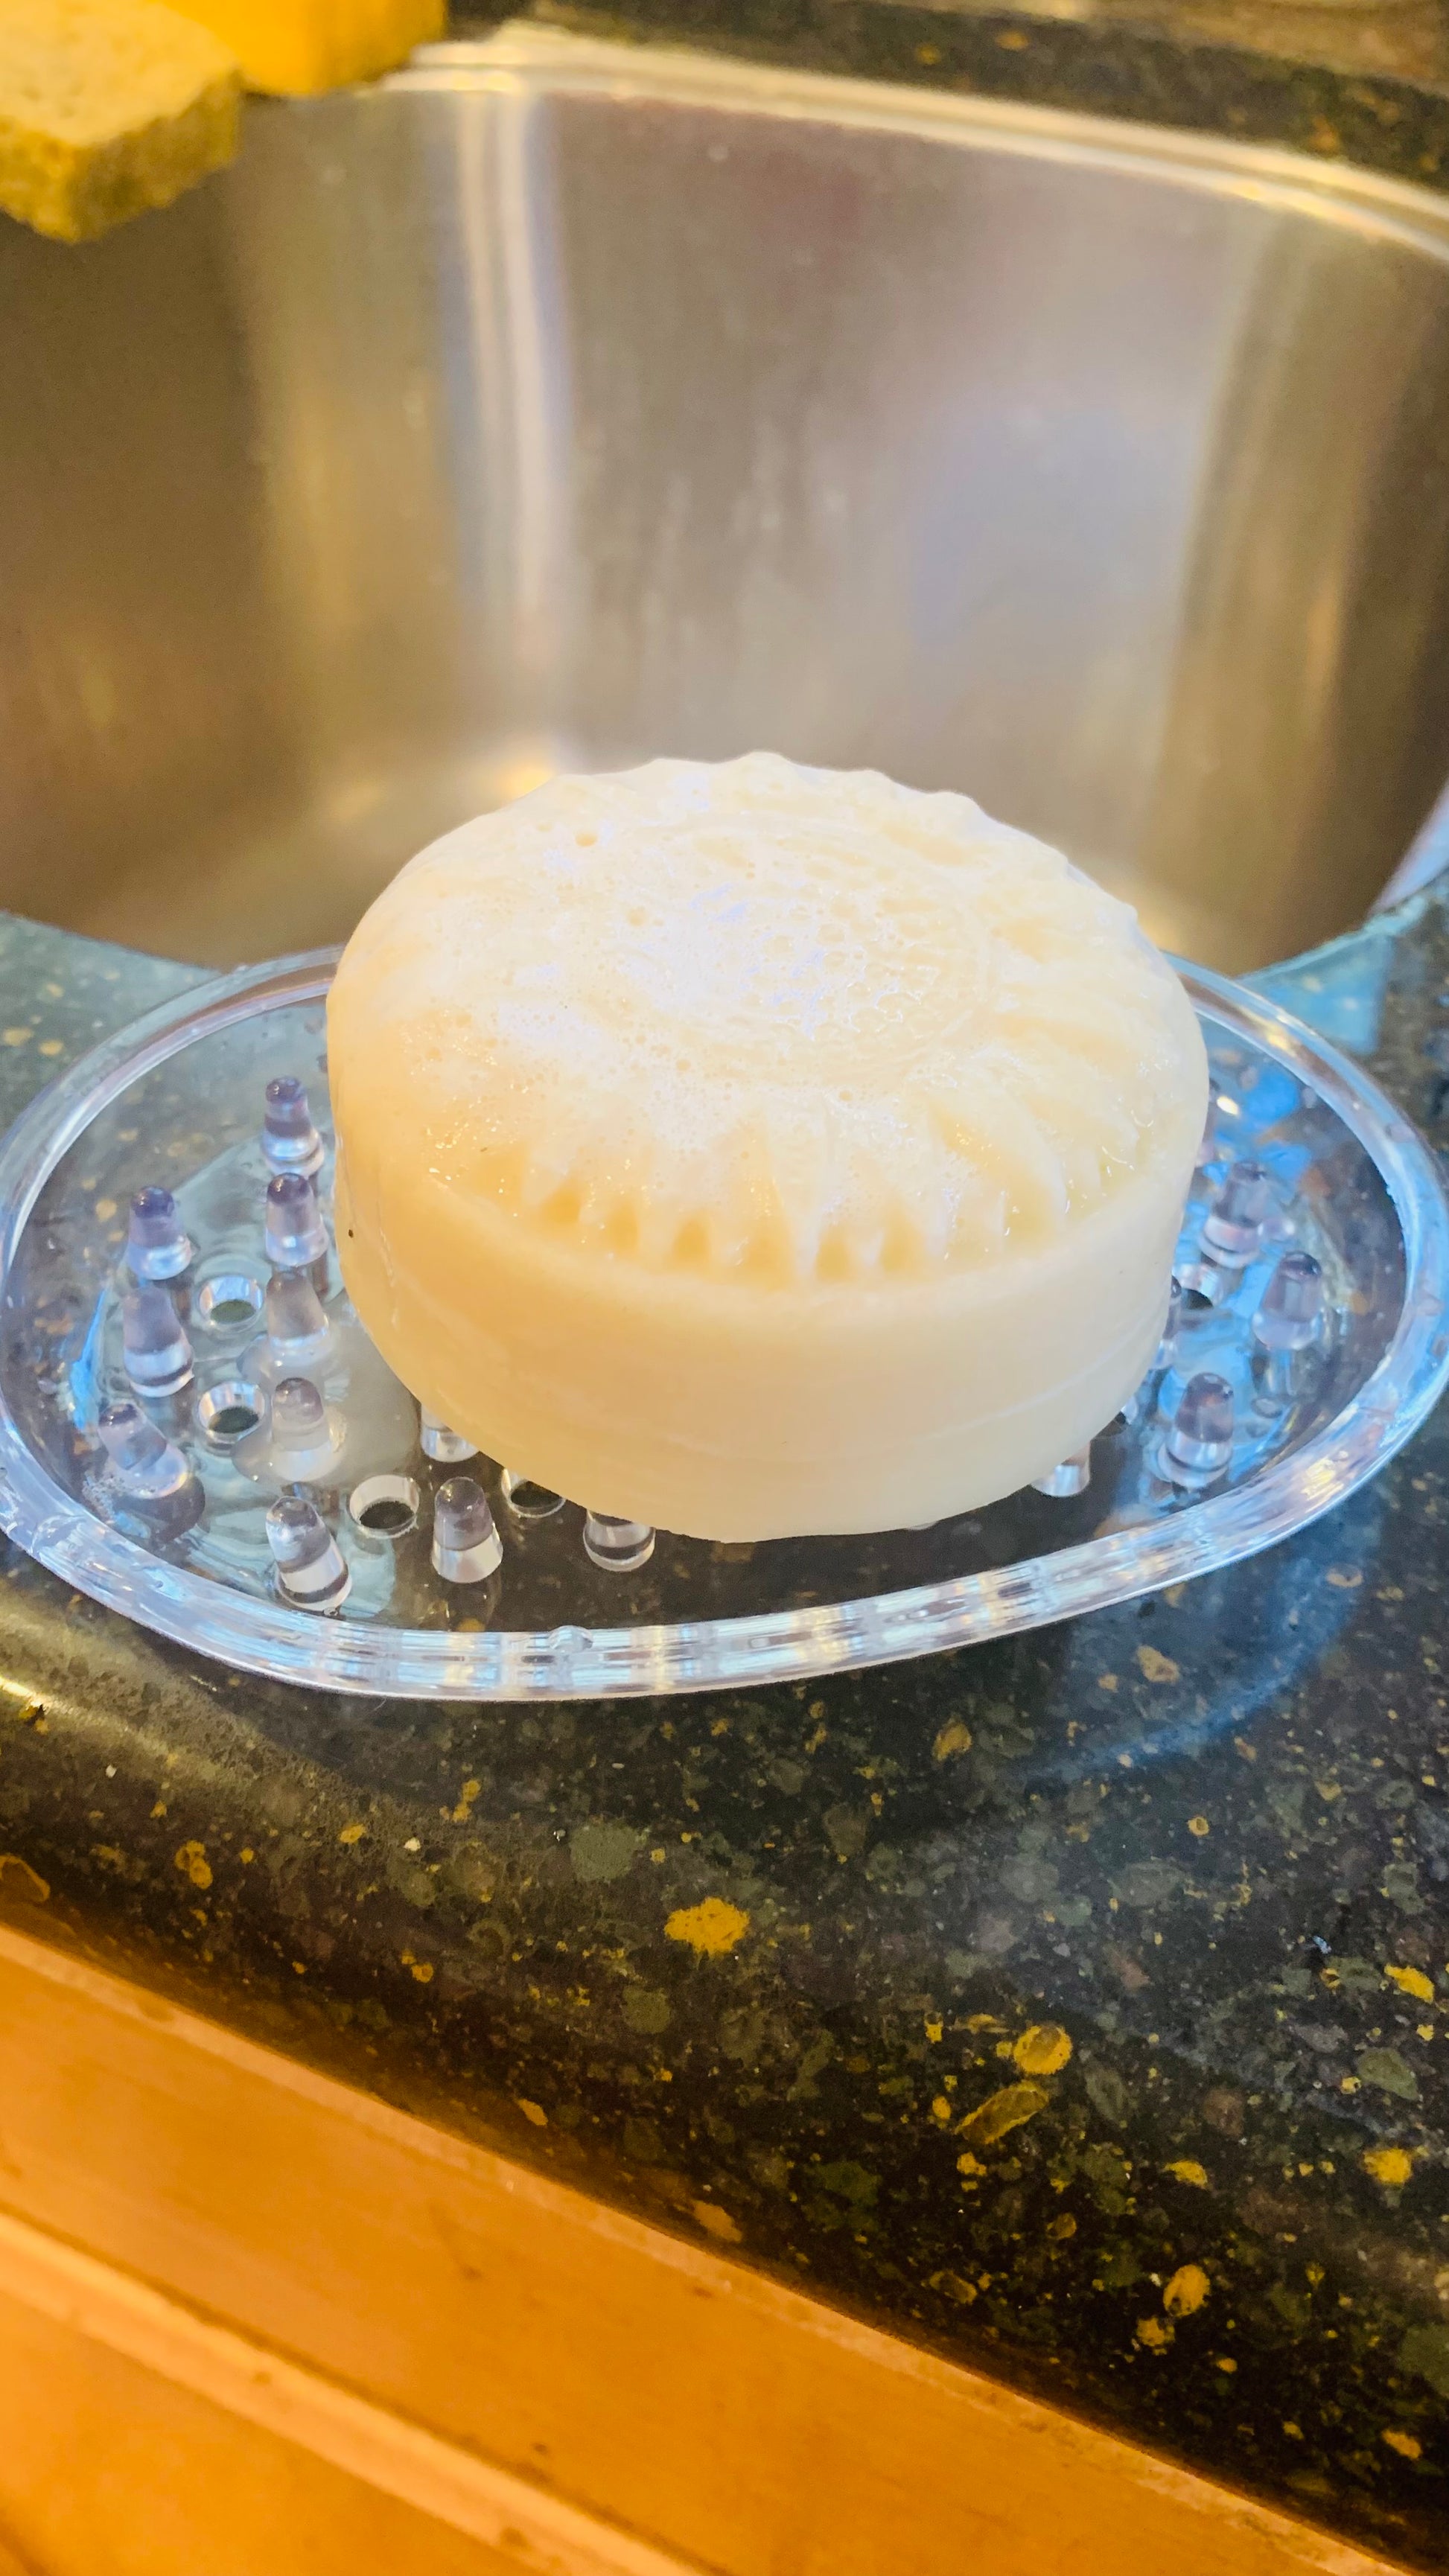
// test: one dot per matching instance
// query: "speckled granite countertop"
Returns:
(1078, 2003)
(1366, 83)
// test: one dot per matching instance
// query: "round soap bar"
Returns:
(756, 1150)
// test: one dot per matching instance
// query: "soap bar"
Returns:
(755, 1150)
(296, 47)
(107, 107)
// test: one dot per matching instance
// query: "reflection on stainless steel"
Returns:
(554, 404)
(1427, 853)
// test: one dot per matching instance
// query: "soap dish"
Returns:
(196, 1430)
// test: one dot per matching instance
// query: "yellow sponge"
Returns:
(107, 107)
(298, 46)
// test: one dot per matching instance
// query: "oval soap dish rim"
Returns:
(571, 1662)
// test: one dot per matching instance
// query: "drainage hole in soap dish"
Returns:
(226, 1413)
(386, 1505)
(529, 1501)
(229, 1301)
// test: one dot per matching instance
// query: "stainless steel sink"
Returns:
(556, 404)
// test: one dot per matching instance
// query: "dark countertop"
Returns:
(1358, 82)
(1180, 1871)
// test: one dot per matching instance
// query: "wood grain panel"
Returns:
(720, 2416)
(141, 2441)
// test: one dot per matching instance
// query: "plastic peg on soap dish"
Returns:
(1239, 1218)
(157, 1243)
(154, 1344)
(618, 1546)
(1199, 1444)
(1167, 1347)
(143, 1462)
(306, 1436)
(1073, 1476)
(1291, 1313)
(466, 1544)
(299, 1339)
(311, 1568)
(1287, 1334)
(290, 1142)
(445, 1447)
(296, 1238)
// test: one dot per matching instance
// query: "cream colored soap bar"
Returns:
(756, 1150)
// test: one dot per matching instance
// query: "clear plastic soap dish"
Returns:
(195, 1429)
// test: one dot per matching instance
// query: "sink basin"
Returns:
(556, 404)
